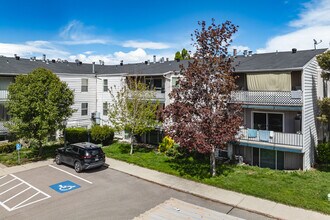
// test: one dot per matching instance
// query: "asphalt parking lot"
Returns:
(57, 192)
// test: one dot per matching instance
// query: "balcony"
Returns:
(280, 98)
(276, 139)
(3, 94)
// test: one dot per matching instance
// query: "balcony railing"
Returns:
(290, 98)
(3, 94)
(290, 139)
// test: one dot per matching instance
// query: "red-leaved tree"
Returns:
(201, 116)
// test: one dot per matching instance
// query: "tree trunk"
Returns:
(131, 152)
(40, 148)
(212, 162)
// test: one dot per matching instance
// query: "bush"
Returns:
(7, 147)
(75, 135)
(323, 153)
(102, 134)
(166, 144)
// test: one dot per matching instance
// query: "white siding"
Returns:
(114, 82)
(310, 80)
(74, 83)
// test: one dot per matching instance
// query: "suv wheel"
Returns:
(58, 159)
(77, 167)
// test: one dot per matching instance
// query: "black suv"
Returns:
(81, 156)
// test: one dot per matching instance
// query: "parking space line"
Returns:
(17, 194)
(7, 182)
(13, 208)
(11, 188)
(6, 207)
(45, 194)
(30, 203)
(3, 177)
(71, 174)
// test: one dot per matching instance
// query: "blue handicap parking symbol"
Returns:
(65, 186)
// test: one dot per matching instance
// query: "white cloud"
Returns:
(146, 44)
(76, 33)
(32, 48)
(134, 56)
(313, 23)
(315, 13)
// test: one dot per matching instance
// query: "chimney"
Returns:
(121, 62)
(234, 52)
(245, 53)
(44, 57)
(93, 67)
(154, 58)
(294, 50)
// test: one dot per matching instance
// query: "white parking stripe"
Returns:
(11, 188)
(30, 185)
(7, 182)
(25, 200)
(3, 177)
(21, 204)
(71, 174)
(17, 194)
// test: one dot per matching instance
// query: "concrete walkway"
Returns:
(250, 203)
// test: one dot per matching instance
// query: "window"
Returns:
(105, 108)
(268, 121)
(105, 85)
(84, 85)
(3, 112)
(84, 108)
(175, 82)
(155, 83)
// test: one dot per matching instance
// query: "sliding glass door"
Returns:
(268, 121)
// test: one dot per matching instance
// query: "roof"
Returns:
(276, 61)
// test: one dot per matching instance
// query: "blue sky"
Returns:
(134, 31)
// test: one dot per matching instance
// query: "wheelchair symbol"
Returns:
(65, 188)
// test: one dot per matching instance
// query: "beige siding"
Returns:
(310, 80)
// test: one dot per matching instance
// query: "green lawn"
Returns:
(302, 189)
(28, 155)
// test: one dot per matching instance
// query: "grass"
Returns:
(28, 155)
(297, 188)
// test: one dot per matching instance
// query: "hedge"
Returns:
(323, 153)
(7, 147)
(102, 134)
(75, 135)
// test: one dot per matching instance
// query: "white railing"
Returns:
(268, 97)
(291, 139)
(3, 94)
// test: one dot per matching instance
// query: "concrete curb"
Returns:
(250, 203)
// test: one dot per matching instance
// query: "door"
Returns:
(268, 121)
(259, 121)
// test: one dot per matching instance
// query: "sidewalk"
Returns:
(250, 203)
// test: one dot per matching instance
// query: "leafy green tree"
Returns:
(178, 56)
(324, 63)
(184, 54)
(38, 103)
(133, 109)
(324, 104)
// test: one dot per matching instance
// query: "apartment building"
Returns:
(278, 92)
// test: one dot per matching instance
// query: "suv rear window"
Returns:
(94, 152)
